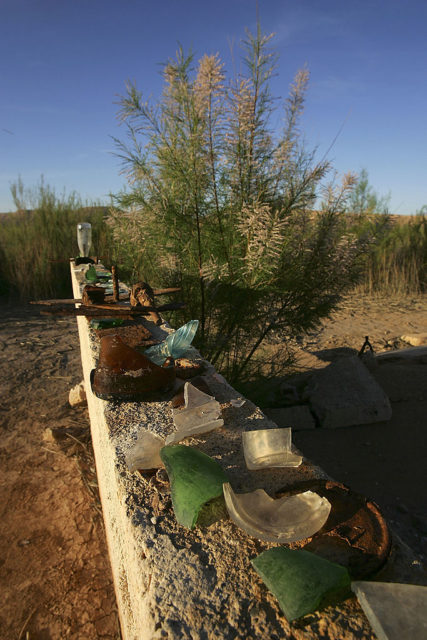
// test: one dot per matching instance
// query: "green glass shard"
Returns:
(195, 479)
(106, 323)
(301, 581)
(91, 274)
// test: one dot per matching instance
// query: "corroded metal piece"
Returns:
(355, 534)
(142, 295)
(125, 374)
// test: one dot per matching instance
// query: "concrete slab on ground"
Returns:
(345, 394)
(298, 417)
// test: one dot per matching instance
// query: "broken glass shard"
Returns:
(195, 479)
(286, 519)
(145, 453)
(200, 414)
(269, 448)
(395, 611)
(301, 581)
(175, 345)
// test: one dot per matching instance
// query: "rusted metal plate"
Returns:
(132, 334)
(355, 534)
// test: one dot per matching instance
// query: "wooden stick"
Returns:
(115, 279)
(106, 311)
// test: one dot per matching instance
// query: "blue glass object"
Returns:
(175, 345)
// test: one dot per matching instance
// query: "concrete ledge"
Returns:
(171, 582)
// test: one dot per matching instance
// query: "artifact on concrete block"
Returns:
(90, 274)
(355, 534)
(175, 345)
(125, 374)
(92, 294)
(199, 382)
(200, 414)
(195, 479)
(301, 581)
(186, 369)
(269, 448)
(145, 453)
(395, 611)
(277, 520)
(106, 323)
(142, 295)
(84, 238)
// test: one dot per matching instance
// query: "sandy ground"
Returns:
(55, 577)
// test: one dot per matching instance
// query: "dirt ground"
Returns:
(55, 577)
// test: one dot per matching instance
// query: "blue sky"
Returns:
(63, 63)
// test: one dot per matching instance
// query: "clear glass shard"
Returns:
(200, 414)
(237, 402)
(269, 448)
(145, 453)
(286, 519)
(175, 345)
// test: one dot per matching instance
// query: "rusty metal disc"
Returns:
(355, 534)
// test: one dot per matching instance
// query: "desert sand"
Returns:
(54, 570)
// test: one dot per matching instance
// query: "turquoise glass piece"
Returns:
(195, 479)
(106, 323)
(175, 345)
(301, 581)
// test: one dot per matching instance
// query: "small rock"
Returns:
(77, 395)
(416, 339)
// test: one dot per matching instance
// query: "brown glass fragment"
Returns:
(93, 295)
(355, 534)
(125, 374)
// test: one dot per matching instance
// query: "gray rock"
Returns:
(416, 339)
(298, 417)
(395, 611)
(345, 394)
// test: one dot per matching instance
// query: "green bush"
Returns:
(36, 244)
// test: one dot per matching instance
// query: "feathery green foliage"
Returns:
(222, 205)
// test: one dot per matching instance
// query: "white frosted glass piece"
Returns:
(145, 453)
(286, 519)
(269, 448)
(395, 611)
(237, 402)
(200, 414)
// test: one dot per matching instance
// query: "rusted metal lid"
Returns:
(355, 534)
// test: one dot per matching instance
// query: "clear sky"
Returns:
(63, 63)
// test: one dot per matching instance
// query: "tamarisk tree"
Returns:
(224, 204)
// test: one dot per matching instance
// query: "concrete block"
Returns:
(345, 394)
(414, 354)
(298, 417)
(395, 611)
